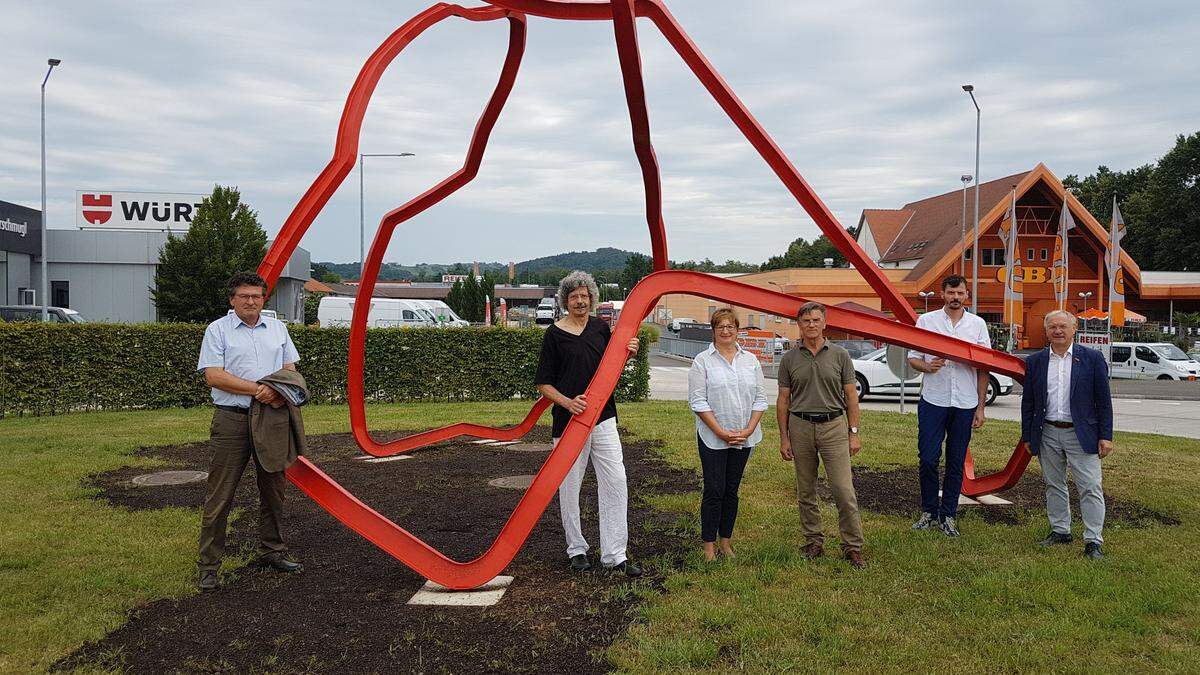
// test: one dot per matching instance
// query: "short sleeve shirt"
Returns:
(955, 385)
(250, 353)
(817, 381)
(568, 363)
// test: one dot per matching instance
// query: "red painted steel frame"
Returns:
(402, 544)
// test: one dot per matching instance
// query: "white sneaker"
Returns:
(949, 528)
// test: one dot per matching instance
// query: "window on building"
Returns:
(968, 254)
(1045, 254)
(993, 257)
(60, 293)
(1030, 257)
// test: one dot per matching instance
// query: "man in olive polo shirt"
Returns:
(817, 411)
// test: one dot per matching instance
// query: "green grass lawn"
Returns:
(71, 566)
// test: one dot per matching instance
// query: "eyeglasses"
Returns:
(725, 328)
(247, 296)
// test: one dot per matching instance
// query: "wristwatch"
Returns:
(854, 430)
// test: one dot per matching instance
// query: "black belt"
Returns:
(234, 409)
(819, 417)
(1061, 425)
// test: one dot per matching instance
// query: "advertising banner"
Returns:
(108, 210)
(1100, 341)
(760, 343)
(20, 229)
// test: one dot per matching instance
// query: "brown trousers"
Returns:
(828, 443)
(232, 450)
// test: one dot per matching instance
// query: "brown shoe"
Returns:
(856, 559)
(812, 551)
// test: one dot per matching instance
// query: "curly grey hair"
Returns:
(578, 279)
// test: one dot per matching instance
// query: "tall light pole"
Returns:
(45, 227)
(1084, 296)
(926, 295)
(362, 246)
(962, 265)
(970, 89)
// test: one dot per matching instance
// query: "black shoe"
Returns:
(627, 567)
(1055, 538)
(278, 562)
(1091, 550)
(208, 581)
(579, 562)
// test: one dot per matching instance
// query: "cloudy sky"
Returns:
(864, 98)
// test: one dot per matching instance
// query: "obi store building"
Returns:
(105, 275)
(923, 242)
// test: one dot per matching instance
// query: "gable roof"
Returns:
(925, 273)
(936, 224)
(885, 225)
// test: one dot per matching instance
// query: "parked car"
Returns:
(874, 378)
(857, 348)
(34, 313)
(547, 311)
(1151, 361)
(677, 324)
(336, 312)
(442, 313)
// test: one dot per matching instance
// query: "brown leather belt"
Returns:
(1060, 425)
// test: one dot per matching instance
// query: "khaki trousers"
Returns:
(828, 443)
(232, 450)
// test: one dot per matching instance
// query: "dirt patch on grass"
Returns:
(346, 612)
(898, 492)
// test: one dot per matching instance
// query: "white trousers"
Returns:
(603, 446)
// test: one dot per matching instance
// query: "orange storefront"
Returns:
(924, 241)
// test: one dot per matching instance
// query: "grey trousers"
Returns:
(1060, 449)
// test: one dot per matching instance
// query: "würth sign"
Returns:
(135, 210)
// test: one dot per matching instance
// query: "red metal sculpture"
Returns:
(403, 545)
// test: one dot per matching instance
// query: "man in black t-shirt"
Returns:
(571, 352)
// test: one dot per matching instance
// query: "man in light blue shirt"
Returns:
(239, 349)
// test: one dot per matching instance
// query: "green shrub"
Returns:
(50, 369)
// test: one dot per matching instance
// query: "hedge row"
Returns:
(50, 369)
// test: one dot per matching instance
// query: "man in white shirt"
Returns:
(953, 395)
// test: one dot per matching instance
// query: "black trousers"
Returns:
(722, 475)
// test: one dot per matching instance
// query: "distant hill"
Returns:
(588, 261)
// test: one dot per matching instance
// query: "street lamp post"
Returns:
(45, 227)
(926, 295)
(1084, 296)
(362, 246)
(970, 89)
(962, 265)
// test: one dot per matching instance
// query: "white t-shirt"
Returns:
(956, 385)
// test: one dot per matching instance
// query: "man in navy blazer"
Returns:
(1066, 421)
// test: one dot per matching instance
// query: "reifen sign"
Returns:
(96, 210)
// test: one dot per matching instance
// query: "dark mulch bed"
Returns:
(346, 612)
(897, 492)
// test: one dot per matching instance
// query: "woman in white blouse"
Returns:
(725, 390)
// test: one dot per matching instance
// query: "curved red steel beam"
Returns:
(345, 151)
(387, 226)
(433, 565)
(625, 28)
(404, 545)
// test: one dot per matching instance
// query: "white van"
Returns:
(1152, 361)
(443, 314)
(677, 324)
(547, 311)
(337, 312)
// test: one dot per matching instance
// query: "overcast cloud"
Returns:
(863, 97)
